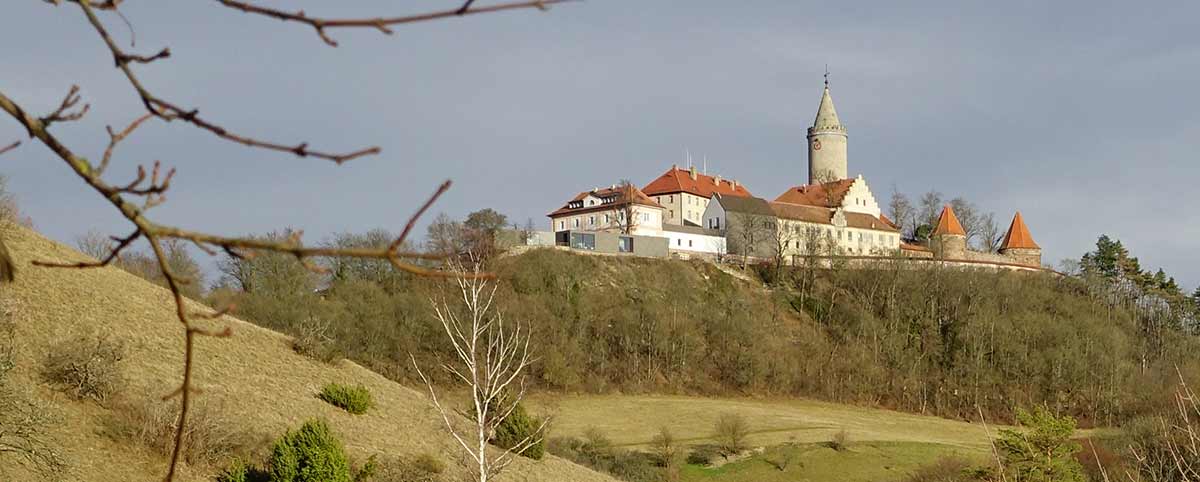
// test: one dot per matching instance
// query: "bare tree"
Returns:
(783, 239)
(491, 361)
(626, 215)
(929, 208)
(94, 244)
(746, 232)
(969, 217)
(990, 233)
(901, 210)
(132, 199)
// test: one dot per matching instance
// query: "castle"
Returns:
(687, 213)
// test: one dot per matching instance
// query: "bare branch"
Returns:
(98, 5)
(10, 147)
(379, 23)
(116, 138)
(122, 243)
(169, 111)
(69, 101)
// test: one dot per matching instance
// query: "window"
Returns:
(671, 214)
(583, 241)
(670, 199)
(678, 242)
(577, 222)
(646, 217)
(592, 220)
(562, 225)
(689, 243)
(606, 221)
(785, 244)
(625, 244)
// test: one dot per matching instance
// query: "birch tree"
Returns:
(491, 358)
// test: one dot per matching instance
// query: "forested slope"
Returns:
(937, 341)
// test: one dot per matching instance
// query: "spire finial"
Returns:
(826, 76)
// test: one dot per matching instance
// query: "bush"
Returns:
(595, 451)
(518, 427)
(730, 433)
(1044, 452)
(839, 441)
(86, 366)
(420, 468)
(703, 454)
(310, 454)
(208, 437)
(356, 399)
(242, 471)
(25, 422)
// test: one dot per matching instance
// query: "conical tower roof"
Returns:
(1018, 235)
(948, 223)
(826, 115)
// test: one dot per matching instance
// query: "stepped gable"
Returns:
(827, 195)
(1018, 235)
(681, 180)
(948, 223)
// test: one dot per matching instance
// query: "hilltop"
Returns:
(255, 377)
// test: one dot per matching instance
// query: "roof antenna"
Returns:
(706, 164)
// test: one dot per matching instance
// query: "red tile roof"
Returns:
(680, 180)
(828, 195)
(948, 223)
(1018, 235)
(613, 193)
(820, 215)
(889, 222)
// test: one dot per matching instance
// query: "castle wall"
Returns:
(949, 246)
(1025, 256)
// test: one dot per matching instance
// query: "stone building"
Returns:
(613, 209)
(949, 242)
(684, 193)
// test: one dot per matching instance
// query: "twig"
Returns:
(122, 243)
(169, 111)
(9, 147)
(61, 115)
(379, 23)
(116, 138)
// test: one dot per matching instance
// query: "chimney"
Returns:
(734, 184)
(717, 180)
(674, 166)
(692, 170)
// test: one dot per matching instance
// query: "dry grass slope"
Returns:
(254, 375)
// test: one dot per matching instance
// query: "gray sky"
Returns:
(1079, 114)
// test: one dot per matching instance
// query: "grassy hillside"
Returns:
(633, 420)
(882, 445)
(254, 378)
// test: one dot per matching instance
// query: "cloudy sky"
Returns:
(1082, 115)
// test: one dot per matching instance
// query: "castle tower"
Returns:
(1019, 245)
(826, 143)
(949, 240)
